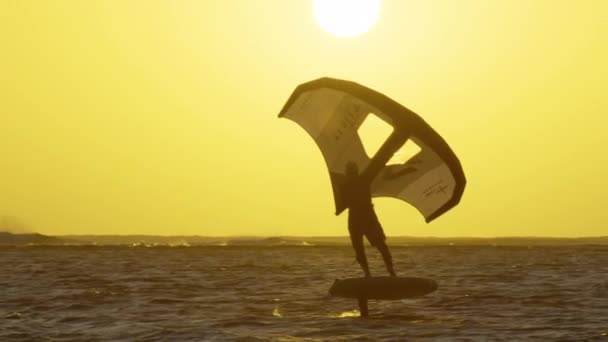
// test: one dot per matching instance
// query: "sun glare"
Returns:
(346, 18)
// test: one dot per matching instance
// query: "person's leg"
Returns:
(386, 256)
(357, 242)
(376, 237)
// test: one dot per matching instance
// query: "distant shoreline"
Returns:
(10, 239)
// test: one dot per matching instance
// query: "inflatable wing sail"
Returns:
(332, 110)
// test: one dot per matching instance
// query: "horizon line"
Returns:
(346, 236)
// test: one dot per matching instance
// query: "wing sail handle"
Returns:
(332, 110)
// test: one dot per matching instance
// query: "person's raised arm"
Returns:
(384, 154)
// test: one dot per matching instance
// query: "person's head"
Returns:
(352, 169)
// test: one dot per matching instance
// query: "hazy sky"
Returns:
(160, 117)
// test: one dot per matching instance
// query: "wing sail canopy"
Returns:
(332, 111)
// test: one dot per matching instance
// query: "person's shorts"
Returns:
(367, 226)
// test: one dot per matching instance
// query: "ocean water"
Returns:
(240, 293)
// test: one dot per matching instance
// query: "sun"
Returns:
(346, 18)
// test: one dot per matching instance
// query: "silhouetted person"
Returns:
(362, 219)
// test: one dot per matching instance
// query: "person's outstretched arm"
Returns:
(384, 154)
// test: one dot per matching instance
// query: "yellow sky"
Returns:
(160, 117)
